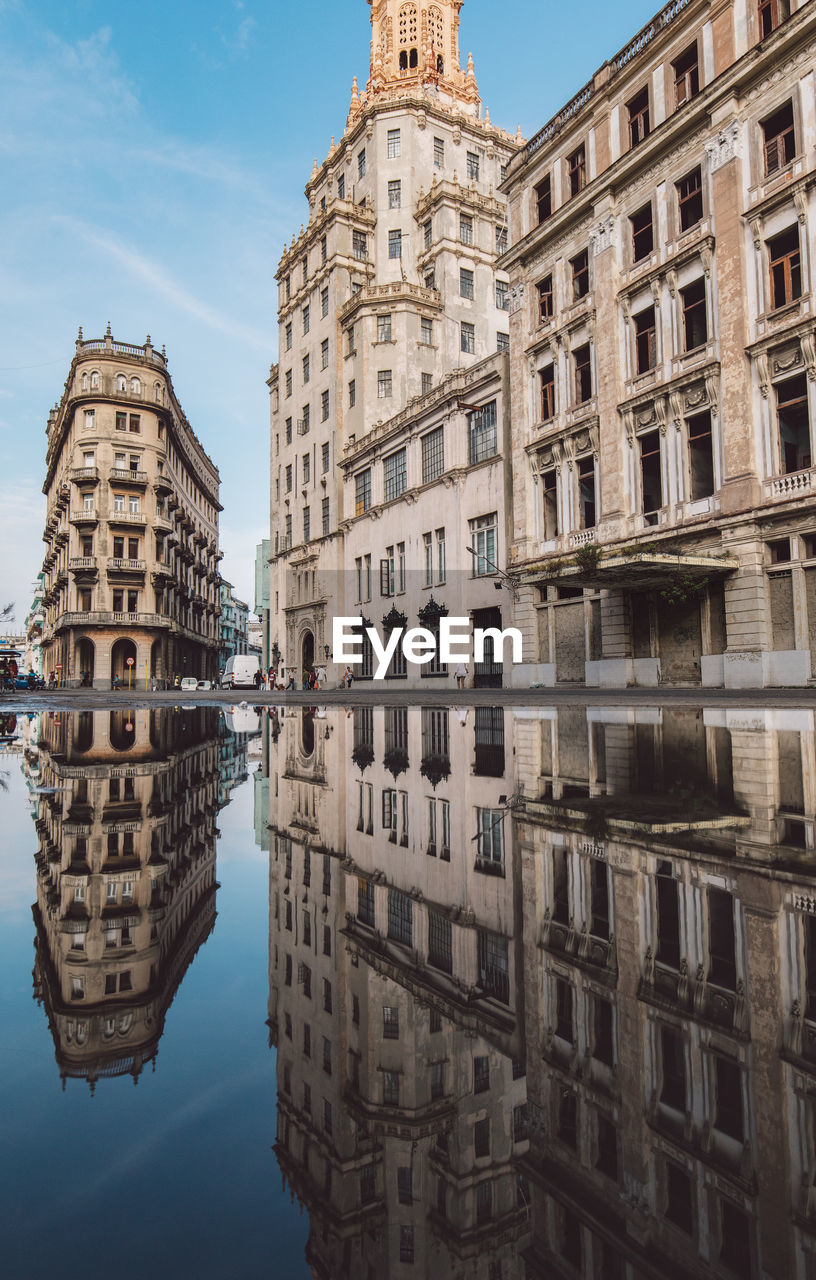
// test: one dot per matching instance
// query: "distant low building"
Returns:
(234, 624)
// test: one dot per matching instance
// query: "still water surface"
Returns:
(490, 992)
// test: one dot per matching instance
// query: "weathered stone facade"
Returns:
(662, 340)
(131, 566)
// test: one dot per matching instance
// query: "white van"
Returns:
(240, 672)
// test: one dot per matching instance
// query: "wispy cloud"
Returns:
(151, 273)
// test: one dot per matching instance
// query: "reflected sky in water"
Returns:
(495, 992)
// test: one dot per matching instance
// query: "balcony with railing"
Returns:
(128, 476)
(84, 515)
(127, 517)
(674, 990)
(792, 485)
(84, 473)
(82, 564)
(118, 564)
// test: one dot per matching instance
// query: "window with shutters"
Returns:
(642, 233)
(543, 198)
(690, 199)
(579, 266)
(779, 139)
(785, 268)
(645, 340)
(695, 320)
(686, 76)
(545, 299)
(638, 112)
(794, 424)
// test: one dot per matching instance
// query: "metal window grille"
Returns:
(395, 474)
(362, 492)
(435, 731)
(365, 902)
(395, 244)
(359, 241)
(384, 384)
(473, 166)
(400, 917)
(394, 145)
(483, 437)
(466, 229)
(394, 194)
(440, 942)
(468, 338)
(326, 517)
(433, 455)
(494, 976)
(384, 328)
(465, 283)
(390, 1023)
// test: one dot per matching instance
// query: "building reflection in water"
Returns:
(543, 990)
(126, 887)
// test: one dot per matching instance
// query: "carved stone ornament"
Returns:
(660, 414)
(808, 343)
(676, 407)
(724, 147)
(763, 374)
(800, 200)
(516, 298)
(712, 386)
(695, 396)
(601, 238)
(790, 359)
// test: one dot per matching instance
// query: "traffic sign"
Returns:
(130, 662)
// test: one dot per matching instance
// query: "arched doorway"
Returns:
(86, 659)
(122, 730)
(307, 650)
(307, 731)
(121, 651)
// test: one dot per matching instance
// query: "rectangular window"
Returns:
(394, 194)
(324, 406)
(794, 424)
(324, 301)
(501, 240)
(686, 76)
(384, 384)
(645, 340)
(288, 430)
(426, 383)
(603, 1040)
(785, 268)
(483, 544)
(543, 196)
(490, 836)
(433, 455)
(472, 166)
(324, 354)
(359, 244)
(288, 337)
(728, 1117)
(341, 187)
(580, 275)
(426, 331)
(606, 1159)
(361, 163)
(307, 524)
(384, 328)
(324, 456)
(427, 234)
(390, 1022)
(134, 423)
(502, 341)
(440, 941)
(679, 1203)
(650, 473)
(324, 249)
(582, 365)
(673, 1069)
(287, 382)
(545, 299)
(406, 1244)
(394, 146)
(481, 1074)
(465, 283)
(468, 338)
(695, 320)
(690, 199)
(465, 229)
(771, 14)
(325, 516)
(722, 953)
(779, 139)
(306, 368)
(395, 244)
(502, 295)
(441, 556)
(576, 170)
(481, 1138)
(307, 313)
(405, 1178)
(549, 482)
(439, 152)
(638, 110)
(668, 916)
(547, 381)
(306, 468)
(362, 492)
(642, 233)
(352, 393)
(701, 456)
(395, 474)
(586, 492)
(563, 1010)
(400, 917)
(427, 547)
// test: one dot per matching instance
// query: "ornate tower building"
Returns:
(391, 286)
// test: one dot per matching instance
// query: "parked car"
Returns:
(240, 672)
(205, 684)
(189, 684)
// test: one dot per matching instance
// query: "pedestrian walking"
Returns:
(461, 674)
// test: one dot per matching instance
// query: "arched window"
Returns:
(413, 58)
(84, 382)
(94, 381)
(135, 387)
(121, 382)
(158, 391)
(440, 65)
(403, 60)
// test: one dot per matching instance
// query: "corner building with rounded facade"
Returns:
(131, 564)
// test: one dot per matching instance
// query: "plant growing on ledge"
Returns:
(435, 769)
(363, 755)
(684, 589)
(396, 761)
(587, 558)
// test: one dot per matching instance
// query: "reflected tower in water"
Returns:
(125, 878)
(396, 990)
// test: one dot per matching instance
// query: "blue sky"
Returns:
(152, 164)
